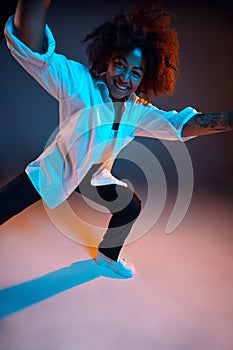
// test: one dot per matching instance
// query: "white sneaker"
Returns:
(121, 266)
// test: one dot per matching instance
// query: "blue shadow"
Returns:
(18, 297)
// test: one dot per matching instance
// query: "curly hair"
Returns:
(148, 27)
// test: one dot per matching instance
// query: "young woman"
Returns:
(100, 112)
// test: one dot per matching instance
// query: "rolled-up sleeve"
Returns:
(166, 125)
(58, 75)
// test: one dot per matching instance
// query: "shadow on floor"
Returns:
(18, 297)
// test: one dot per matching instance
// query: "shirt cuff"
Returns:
(22, 52)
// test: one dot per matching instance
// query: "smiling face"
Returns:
(125, 73)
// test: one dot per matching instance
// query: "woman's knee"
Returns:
(120, 200)
(133, 209)
(136, 203)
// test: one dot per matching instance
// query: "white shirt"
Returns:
(86, 118)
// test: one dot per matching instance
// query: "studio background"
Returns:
(205, 30)
(52, 293)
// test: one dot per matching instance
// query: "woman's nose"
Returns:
(125, 75)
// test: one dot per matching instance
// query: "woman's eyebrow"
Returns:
(123, 59)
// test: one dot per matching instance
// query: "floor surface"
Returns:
(54, 296)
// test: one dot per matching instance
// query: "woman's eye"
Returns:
(119, 64)
(136, 74)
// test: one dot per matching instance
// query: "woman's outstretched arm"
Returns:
(208, 123)
(29, 22)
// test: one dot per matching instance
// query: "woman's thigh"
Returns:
(16, 196)
(114, 197)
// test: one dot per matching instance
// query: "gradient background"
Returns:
(205, 31)
(52, 294)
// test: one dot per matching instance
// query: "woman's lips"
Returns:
(120, 86)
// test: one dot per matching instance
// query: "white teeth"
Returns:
(121, 87)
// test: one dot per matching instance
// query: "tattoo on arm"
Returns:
(217, 121)
(209, 123)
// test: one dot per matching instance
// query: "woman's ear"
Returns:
(107, 62)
